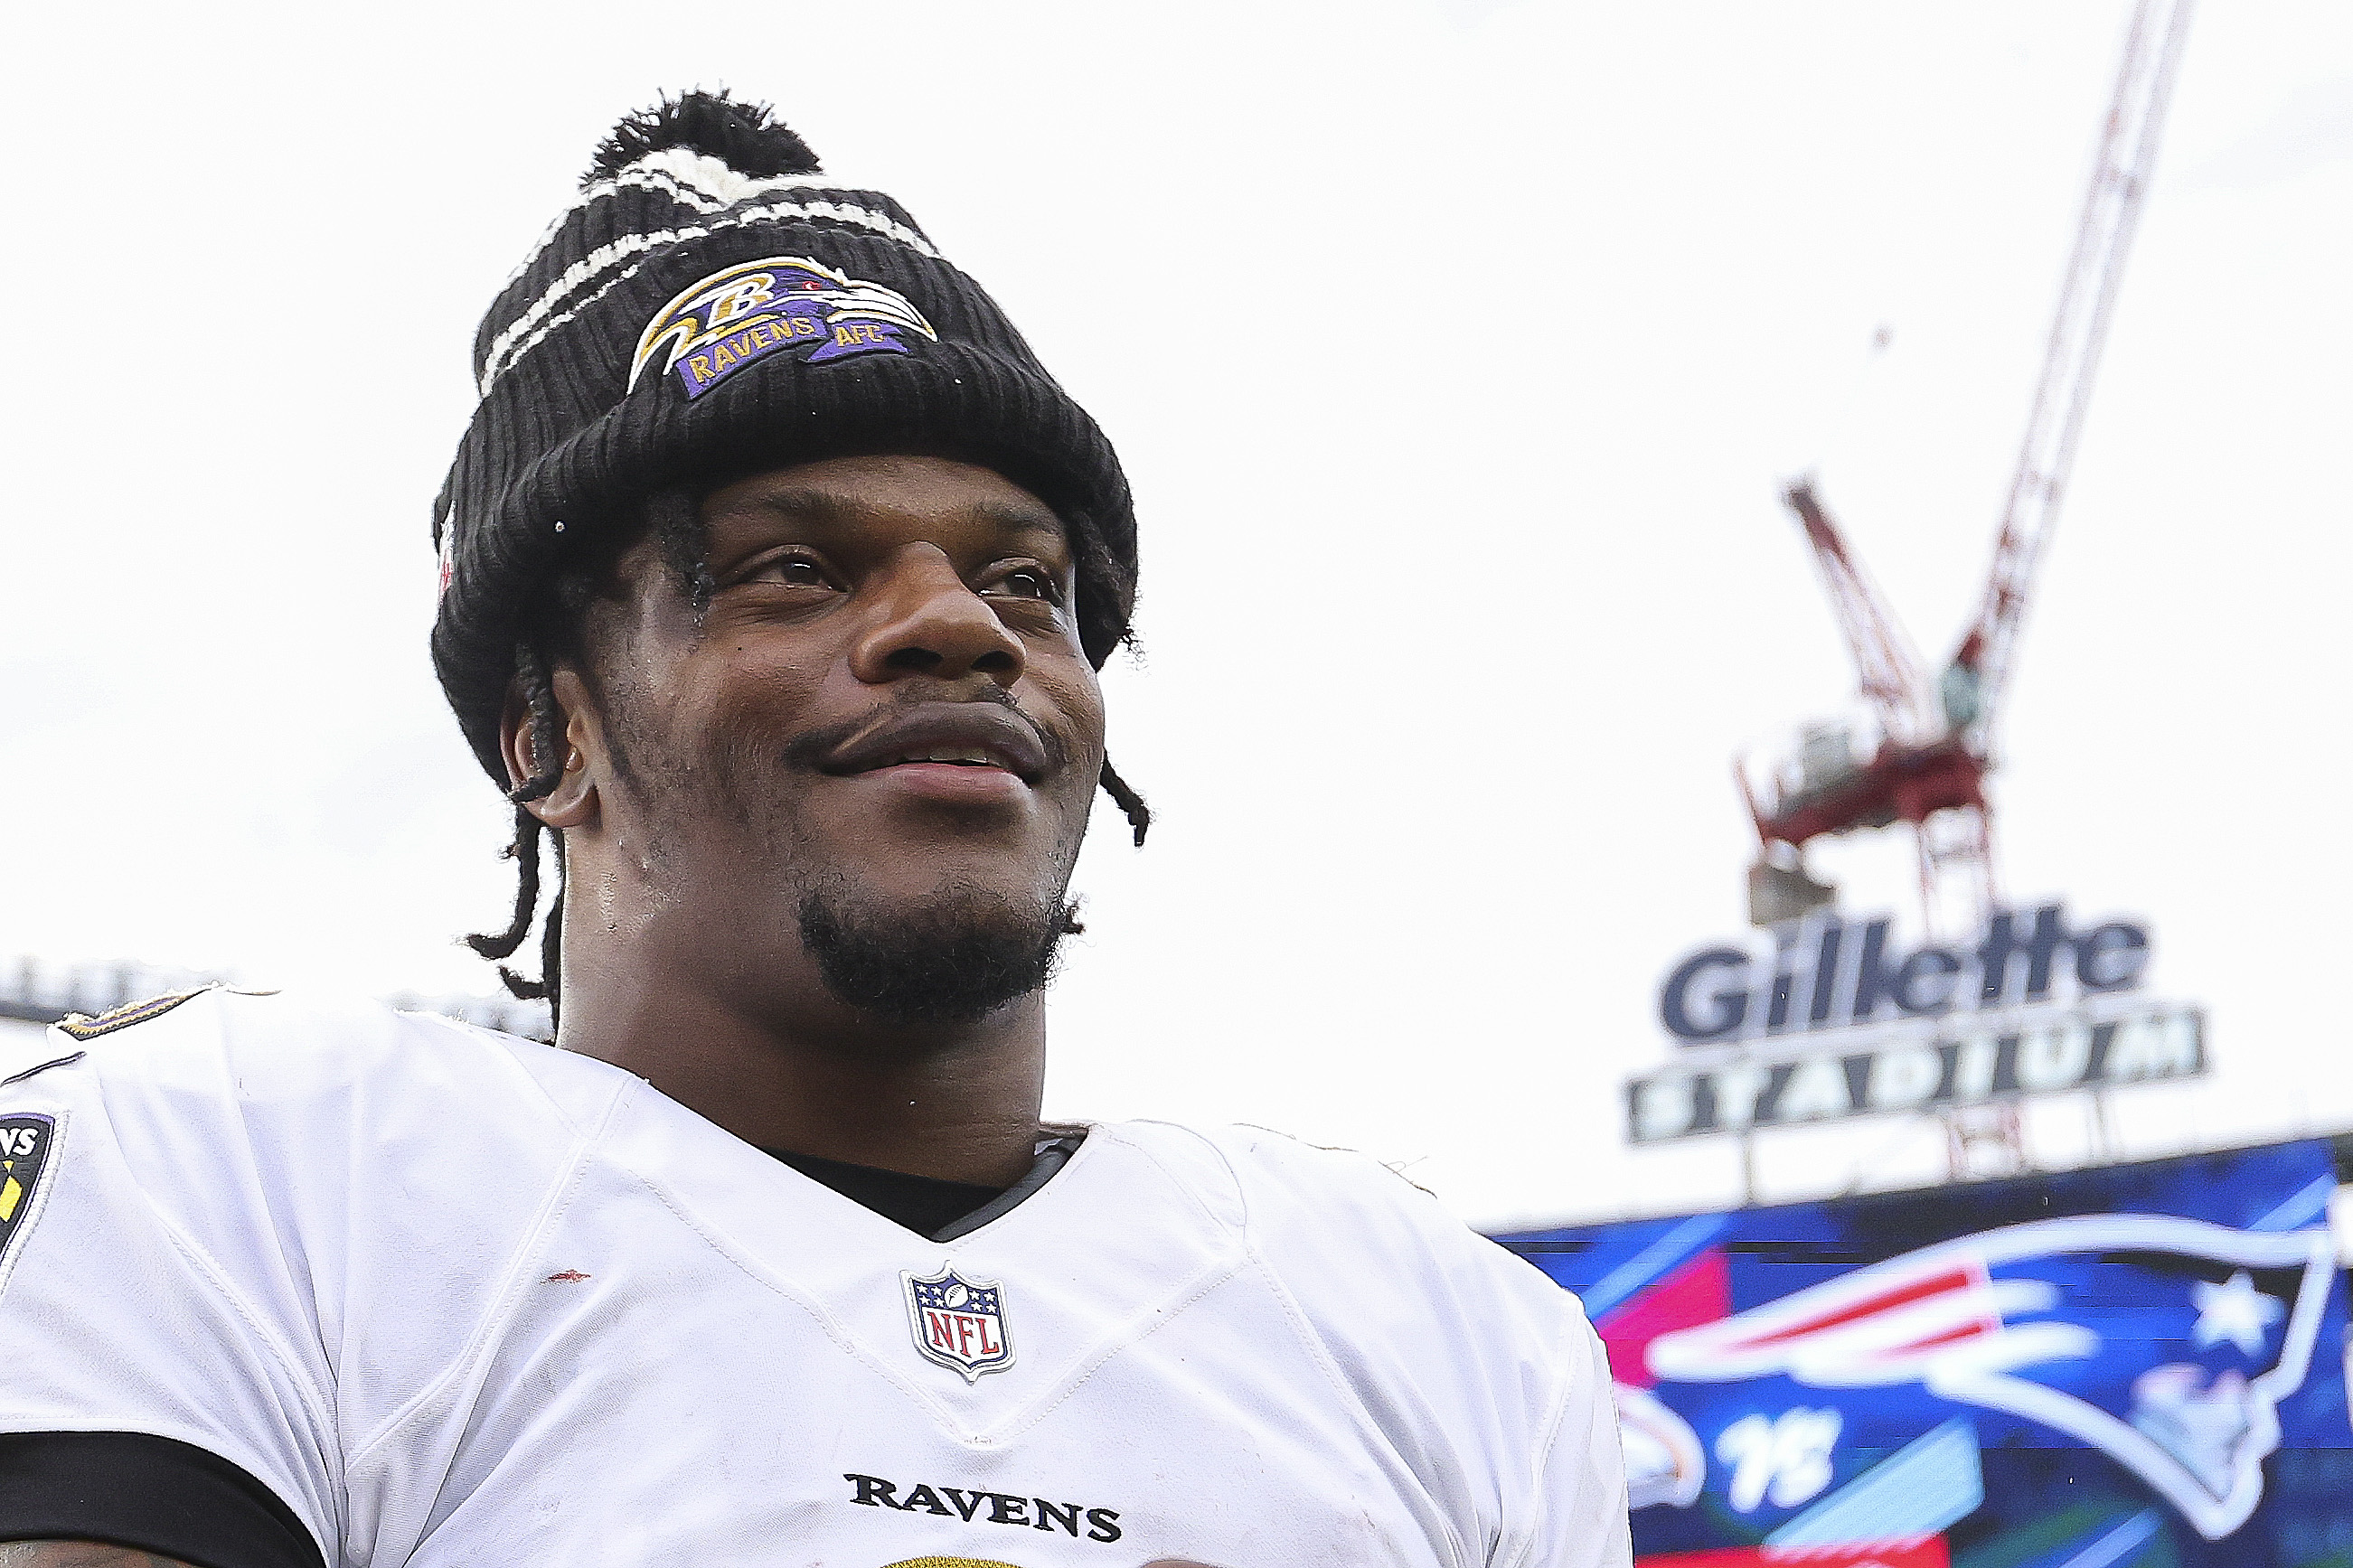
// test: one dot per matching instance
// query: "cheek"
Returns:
(725, 712)
(767, 691)
(1078, 705)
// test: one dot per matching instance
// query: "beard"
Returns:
(955, 959)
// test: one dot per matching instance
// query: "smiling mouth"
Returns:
(951, 776)
(950, 759)
(977, 738)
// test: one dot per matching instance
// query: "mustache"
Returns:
(810, 748)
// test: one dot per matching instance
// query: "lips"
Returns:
(967, 734)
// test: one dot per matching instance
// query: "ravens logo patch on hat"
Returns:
(716, 326)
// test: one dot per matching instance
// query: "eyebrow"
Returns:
(833, 508)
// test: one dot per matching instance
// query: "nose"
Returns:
(927, 621)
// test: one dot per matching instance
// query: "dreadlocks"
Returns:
(555, 629)
(676, 522)
(547, 771)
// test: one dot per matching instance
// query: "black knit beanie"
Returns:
(713, 306)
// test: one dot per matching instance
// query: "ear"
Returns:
(573, 803)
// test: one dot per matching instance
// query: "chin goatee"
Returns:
(952, 961)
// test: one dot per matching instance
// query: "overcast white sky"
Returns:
(1457, 350)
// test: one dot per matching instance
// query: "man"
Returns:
(775, 577)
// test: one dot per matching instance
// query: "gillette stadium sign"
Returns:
(1826, 1020)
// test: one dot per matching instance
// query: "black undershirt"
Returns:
(924, 1205)
(132, 1489)
(929, 1206)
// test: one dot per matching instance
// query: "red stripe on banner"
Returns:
(1913, 1552)
(1977, 1330)
(1943, 1284)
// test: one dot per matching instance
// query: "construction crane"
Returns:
(1911, 766)
(1929, 745)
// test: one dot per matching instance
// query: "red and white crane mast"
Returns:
(1926, 765)
(1976, 680)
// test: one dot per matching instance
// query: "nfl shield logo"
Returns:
(959, 1322)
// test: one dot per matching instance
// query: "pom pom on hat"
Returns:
(743, 136)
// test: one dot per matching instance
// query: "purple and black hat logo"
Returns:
(782, 304)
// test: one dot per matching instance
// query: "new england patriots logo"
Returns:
(2167, 1343)
(717, 325)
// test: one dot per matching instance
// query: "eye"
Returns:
(1030, 582)
(797, 569)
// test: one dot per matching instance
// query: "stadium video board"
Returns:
(2134, 1366)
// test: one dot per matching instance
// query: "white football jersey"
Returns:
(460, 1299)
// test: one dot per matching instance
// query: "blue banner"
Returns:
(2135, 1366)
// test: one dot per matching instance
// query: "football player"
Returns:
(775, 576)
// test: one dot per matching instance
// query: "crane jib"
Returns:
(1935, 741)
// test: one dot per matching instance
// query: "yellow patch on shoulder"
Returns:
(82, 1026)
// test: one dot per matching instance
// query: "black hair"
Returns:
(554, 629)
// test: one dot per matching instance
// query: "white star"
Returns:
(2234, 1310)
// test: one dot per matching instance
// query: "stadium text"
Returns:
(1932, 1069)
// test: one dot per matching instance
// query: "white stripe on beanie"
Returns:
(694, 179)
(504, 350)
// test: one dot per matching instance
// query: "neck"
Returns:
(790, 1067)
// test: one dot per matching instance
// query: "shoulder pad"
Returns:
(82, 1026)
